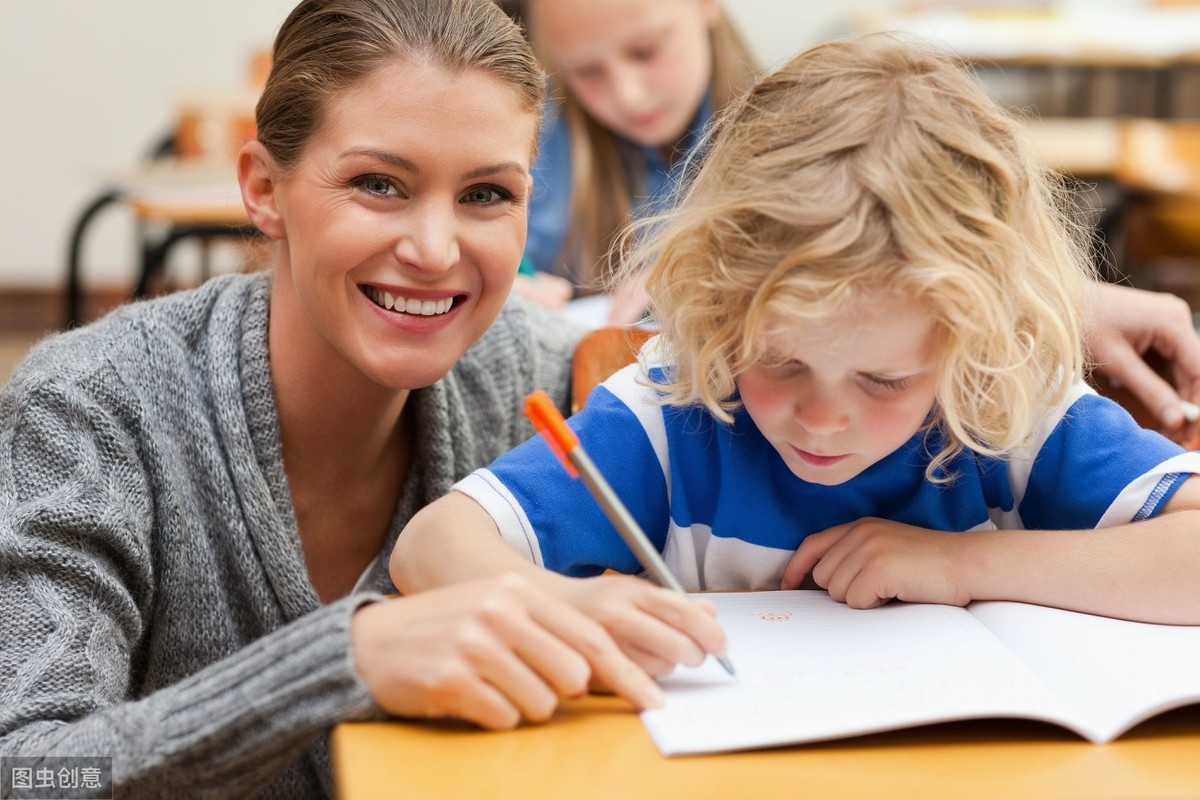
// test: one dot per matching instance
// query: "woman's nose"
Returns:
(429, 242)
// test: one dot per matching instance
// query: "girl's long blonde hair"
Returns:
(603, 185)
(865, 165)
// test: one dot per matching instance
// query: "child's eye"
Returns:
(487, 195)
(643, 53)
(886, 384)
(378, 185)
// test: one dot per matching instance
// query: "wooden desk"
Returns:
(597, 748)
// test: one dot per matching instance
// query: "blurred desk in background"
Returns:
(1161, 158)
(176, 201)
(1144, 155)
(1077, 61)
(1159, 172)
(172, 200)
(186, 189)
(1086, 148)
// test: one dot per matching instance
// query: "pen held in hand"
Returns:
(549, 422)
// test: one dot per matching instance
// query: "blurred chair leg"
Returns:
(154, 251)
(74, 255)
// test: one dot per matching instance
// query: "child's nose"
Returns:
(821, 412)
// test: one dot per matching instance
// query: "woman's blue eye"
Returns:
(487, 195)
(376, 184)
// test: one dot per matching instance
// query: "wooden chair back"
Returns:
(601, 353)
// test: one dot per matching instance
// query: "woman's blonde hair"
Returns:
(604, 183)
(866, 165)
(325, 46)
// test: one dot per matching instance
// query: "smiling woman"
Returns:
(414, 200)
(195, 491)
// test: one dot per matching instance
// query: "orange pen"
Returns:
(549, 422)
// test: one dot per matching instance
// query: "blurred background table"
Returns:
(173, 200)
(1066, 60)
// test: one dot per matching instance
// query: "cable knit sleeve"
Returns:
(78, 595)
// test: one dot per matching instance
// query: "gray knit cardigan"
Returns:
(154, 602)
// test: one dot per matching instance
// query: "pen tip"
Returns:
(727, 664)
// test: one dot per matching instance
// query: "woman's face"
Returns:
(403, 222)
(640, 67)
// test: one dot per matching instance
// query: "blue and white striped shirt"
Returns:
(727, 513)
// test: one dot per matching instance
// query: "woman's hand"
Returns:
(655, 627)
(492, 651)
(871, 561)
(1128, 324)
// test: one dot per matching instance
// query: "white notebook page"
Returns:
(1121, 672)
(809, 668)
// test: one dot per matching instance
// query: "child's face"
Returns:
(640, 67)
(837, 396)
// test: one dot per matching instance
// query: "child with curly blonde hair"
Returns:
(869, 371)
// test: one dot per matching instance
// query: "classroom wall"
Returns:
(89, 84)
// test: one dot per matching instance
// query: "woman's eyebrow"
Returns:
(395, 160)
(400, 162)
(498, 167)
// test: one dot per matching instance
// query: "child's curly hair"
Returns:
(865, 165)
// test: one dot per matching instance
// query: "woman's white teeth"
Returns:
(410, 305)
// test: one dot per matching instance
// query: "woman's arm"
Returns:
(81, 594)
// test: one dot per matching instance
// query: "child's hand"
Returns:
(871, 561)
(655, 627)
(492, 651)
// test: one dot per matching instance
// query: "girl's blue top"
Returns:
(550, 204)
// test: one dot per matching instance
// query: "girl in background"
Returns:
(870, 372)
(635, 83)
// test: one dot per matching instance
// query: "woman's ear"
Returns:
(258, 175)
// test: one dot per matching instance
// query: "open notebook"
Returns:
(810, 668)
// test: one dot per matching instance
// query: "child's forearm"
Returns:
(451, 540)
(1145, 571)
